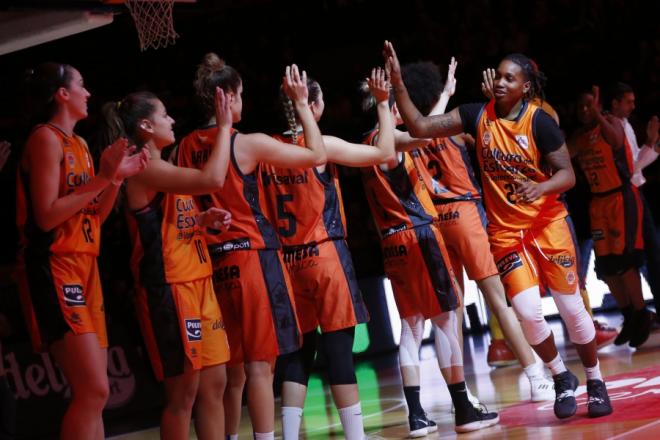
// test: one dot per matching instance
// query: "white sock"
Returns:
(533, 370)
(556, 366)
(593, 372)
(351, 421)
(291, 418)
(264, 435)
(231, 437)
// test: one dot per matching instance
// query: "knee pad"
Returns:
(338, 350)
(579, 324)
(528, 309)
(298, 365)
(447, 347)
(412, 330)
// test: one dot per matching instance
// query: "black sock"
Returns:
(412, 399)
(459, 398)
(627, 313)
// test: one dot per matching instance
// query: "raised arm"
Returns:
(359, 155)
(295, 87)
(418, 125)
(164, 176)
(610, 127)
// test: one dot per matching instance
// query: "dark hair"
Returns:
(314, 91)
(40, 86)
(121, 118)
(532, 74)
(617, 91)
(213, 72)
(423, 81)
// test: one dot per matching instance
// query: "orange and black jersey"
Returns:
(398, 198)
(81, 233)
(241, 194)
(304, 204)
(511, 152)
(607, 168)
(447, 171)
(169, 245)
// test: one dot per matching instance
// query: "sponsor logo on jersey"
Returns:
(508, 263)
(231, 245)
(193, 329)
(486, 138)
(570, 277)
(284, 179)
(218, 324)
(393, 230)
(73, 295)
(299, 253)
(447, 216)
(522, 140)
(597, 234)
(226, 273)
(395, 251)
(563, 260)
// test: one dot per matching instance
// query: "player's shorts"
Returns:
(257, 303)
(416, 263)
(616, 229)
(463, 227)
(179, 322)
(538, 256)
(60, 294)
(325, 286)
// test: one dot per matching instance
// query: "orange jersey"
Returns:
(169, 245)
(80, 233)
(304, 204)
(241, 194)
(605, 167)
(398, 198)
(445, 167)
(508, 155)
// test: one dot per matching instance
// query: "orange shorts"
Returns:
(463, 227)
(616, 229)
(255, 296)
(416, 263)
(539, 256)
(61, 293)
(182, 321)
(325, 286)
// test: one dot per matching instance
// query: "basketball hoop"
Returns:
(154, 22)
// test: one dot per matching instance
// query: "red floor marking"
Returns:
(634, 396)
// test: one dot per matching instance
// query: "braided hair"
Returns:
(532, 74)
(314, 89)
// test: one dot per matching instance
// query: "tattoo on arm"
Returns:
(560, 159)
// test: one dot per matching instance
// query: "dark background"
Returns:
(576, 43)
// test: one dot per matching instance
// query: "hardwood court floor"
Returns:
(636, 398)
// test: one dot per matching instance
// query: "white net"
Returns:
(154, 22)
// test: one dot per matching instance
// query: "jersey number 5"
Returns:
(282, 214)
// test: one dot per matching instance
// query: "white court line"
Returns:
(628, 433)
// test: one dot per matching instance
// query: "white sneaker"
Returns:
(542, 388)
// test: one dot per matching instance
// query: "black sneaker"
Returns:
(420, 425)
(598, 404)
(476, 419)
(640, 333)
(565, 386)
(626, 331)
